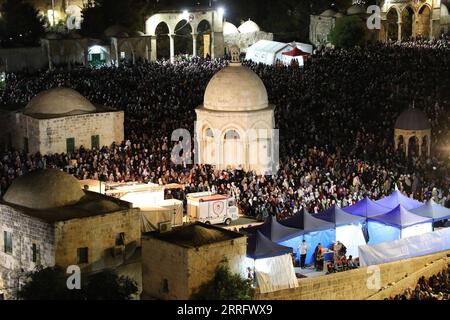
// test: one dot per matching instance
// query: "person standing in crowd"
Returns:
(303, 250)
(319, 257)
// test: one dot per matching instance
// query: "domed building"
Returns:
(235, 124)
(229, 28)
(60, 120)
(413, 132)
(47, 219)
(248, 27)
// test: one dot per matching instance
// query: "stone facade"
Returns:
(193, 18)
(49, 136)
(352, 285)
(174, 272)
(98, 233)
(402, 19)
(57, 242)
(251, 127)
(320, 28)
(25, 231)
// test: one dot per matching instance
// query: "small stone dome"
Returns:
(59, 101)
(356, 9)
(339, 15)
(138, 34)
(229, 28)
(235, 88)
(412, 119)
(328, 13)
(248, 26)
(44, 189)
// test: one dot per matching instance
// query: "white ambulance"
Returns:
(211, 208)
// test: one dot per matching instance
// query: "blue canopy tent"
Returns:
(366, 208)
(317, 231)
(432, 210)
(397, 198)
(275, 231)
(272, 264)
(397, 224)
(260, 247)
(314, 231)
(349, 228)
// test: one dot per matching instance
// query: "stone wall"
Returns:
(18, 59)
(412, 280)
(50, 136)
(188, 268)
(26, 231)
(352, 285)
(163, 261)
(203, 261)
(320, 28)
(98, 234)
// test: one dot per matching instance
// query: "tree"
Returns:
(107, 285)
(20, 24)
(50, 284)
(98, 15)
(47, 284)
(225, 286)
(348, 32)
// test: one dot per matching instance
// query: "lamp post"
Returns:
(53, 12)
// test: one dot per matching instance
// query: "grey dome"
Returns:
(328, 13)
(59, 101)
(44, 189)
(412, 119)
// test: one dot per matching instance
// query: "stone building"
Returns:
(58, 11)
(176, 263)
(61, 120)
(413, 132)
(204, 23)
(235, 125)
(46, 219)
(245, 36)
(403, 19)
(400, 20)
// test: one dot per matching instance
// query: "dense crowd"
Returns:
(436, 287)
(335, 115)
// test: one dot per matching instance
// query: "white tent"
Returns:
(266, 51)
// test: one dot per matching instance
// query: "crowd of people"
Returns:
(335, 115)
(437, 287)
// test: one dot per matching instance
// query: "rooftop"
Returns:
(195, 235)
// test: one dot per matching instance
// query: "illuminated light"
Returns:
(185, 14)
(221, 11)
(96, 50)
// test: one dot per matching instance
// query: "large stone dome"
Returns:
(412, 119)
(229, 28)
(44, 189)
(236, 88)
(248, 27)
(59, 101)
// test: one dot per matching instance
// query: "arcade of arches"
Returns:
(404, 19)
(198, 32)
